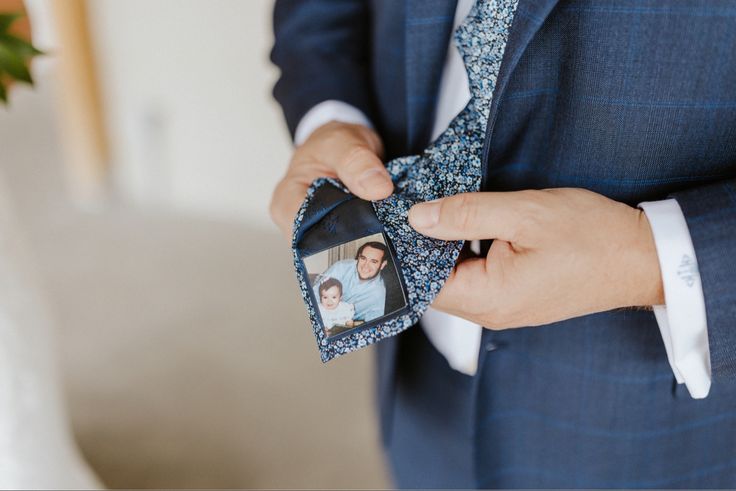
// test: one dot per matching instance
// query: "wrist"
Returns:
(648, 288)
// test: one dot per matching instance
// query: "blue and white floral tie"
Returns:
(449, 166)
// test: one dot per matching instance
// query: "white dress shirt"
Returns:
(681, 321)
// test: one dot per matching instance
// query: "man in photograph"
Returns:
(361, 280)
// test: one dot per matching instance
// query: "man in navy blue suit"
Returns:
(608, 184)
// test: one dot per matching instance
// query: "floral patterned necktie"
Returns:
(450, 165)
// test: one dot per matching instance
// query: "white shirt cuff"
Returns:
(682, 320)
(457, 339)
(323, 113)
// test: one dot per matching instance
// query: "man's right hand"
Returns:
(349, 152)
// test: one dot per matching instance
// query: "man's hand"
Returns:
(350, 152)
(557, 254)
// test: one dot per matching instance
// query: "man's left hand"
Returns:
(557, 254)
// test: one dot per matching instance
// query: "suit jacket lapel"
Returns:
(428, 28)
(529, 17)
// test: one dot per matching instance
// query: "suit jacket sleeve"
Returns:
(710, 212)
(322, 48)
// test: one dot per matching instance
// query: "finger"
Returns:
(463, 292)
(471, 216)
(285, 203)
(362, 171)
(478, 280)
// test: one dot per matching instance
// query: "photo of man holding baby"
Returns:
(353, 289)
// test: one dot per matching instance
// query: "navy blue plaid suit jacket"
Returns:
(633, 99)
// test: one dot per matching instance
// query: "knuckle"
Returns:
(524, 230)
(328, 142)
(373, 141)
(459, 211)
(531, 204)
(470, 292)
(531, 215)
(304, 162)
(357, 158)
(353, 155)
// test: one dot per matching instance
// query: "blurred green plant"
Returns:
(15, 56)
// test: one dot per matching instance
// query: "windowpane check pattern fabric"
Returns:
(449, 166)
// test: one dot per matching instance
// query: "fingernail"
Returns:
(373, 179)
(425, 215)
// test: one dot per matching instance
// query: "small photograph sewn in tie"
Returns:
(355, 284)
(351, 275)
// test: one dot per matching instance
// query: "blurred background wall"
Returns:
(139, 170)
(186, 91)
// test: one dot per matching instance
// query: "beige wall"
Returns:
(186, 91)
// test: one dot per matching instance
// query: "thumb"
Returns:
(469, 216)
(358, 162)
(364, 174)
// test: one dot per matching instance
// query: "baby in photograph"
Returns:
(332, 309)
